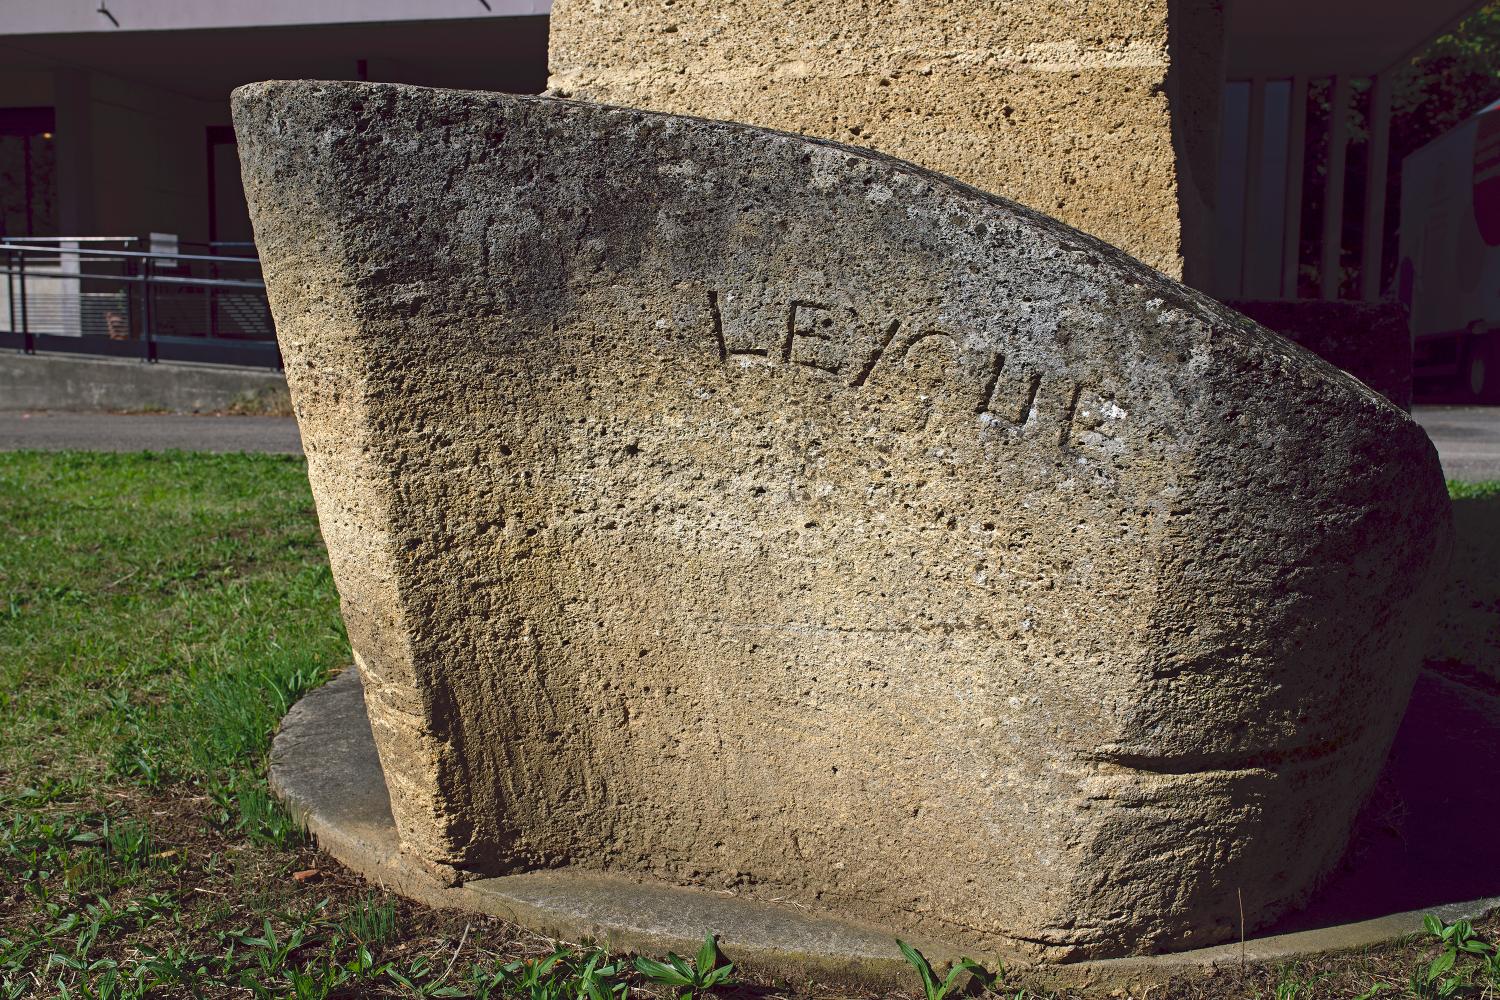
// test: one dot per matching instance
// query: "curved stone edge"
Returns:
(324, 769)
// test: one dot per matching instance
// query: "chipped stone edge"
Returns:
(375, 854)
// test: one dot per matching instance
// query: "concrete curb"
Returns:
(86, 382)
(325, 769)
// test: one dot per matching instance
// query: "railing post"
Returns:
(10, 289)
(1375, 183)
(28, 342)
(1296, 153)
(212, 295)
(146, 311)
(132, 313)
(1255, 144)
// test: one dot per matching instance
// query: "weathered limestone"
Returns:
(1101, 113)
(743, 511)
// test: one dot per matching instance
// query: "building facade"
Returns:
(1175, 129)
(114, 117)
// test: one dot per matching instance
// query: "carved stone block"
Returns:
(744, 511)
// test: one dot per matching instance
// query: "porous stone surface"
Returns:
(748, 512)
(1102, 114)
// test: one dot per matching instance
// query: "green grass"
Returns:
(158, 613)
(1486, 490)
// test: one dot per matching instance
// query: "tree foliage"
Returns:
(1448, 81)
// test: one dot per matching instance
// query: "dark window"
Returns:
(228, 216)
(28, 172)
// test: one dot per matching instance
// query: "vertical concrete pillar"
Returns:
(73, 106)
(1333, 192)
(1104, 115)
(1375, 178)
(1195, 94)
(1296, 155)
(1255, 144)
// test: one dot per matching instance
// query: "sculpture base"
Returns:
(325, 769)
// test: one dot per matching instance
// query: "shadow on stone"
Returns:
(1425, 837)
(1466, 641)
(1427, 834)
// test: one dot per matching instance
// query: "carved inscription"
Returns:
(805, 319)
(725, 352)
(820, 336)
(874, 358)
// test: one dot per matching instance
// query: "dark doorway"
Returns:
(28, 172)
(228, 216)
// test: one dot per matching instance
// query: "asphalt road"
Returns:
(52, 431)
(1467, 437)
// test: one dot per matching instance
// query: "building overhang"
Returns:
(131, 15)
(1284, 38)
(483, 53)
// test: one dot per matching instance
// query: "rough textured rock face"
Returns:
(1103, 114)
(749, 512)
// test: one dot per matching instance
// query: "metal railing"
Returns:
(98, 295)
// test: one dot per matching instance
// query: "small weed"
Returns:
(707, 970)
(1444, 975)
(319, 978)
(533, 978)
(424, 978)
(263, 820)
(1491, 971)
(101, 980)
(372, 921)
(1288, 988)
(597, 978)
(935, 989)
(176, 966)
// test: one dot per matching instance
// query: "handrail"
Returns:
(172, 279)
(87, 295)
(209, 258)
(84, 239)
(138, 279)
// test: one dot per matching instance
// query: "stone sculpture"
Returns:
(743, 511)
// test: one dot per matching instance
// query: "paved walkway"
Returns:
(1467, 439)
(51, 431)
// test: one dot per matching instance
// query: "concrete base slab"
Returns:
(1412, 854)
